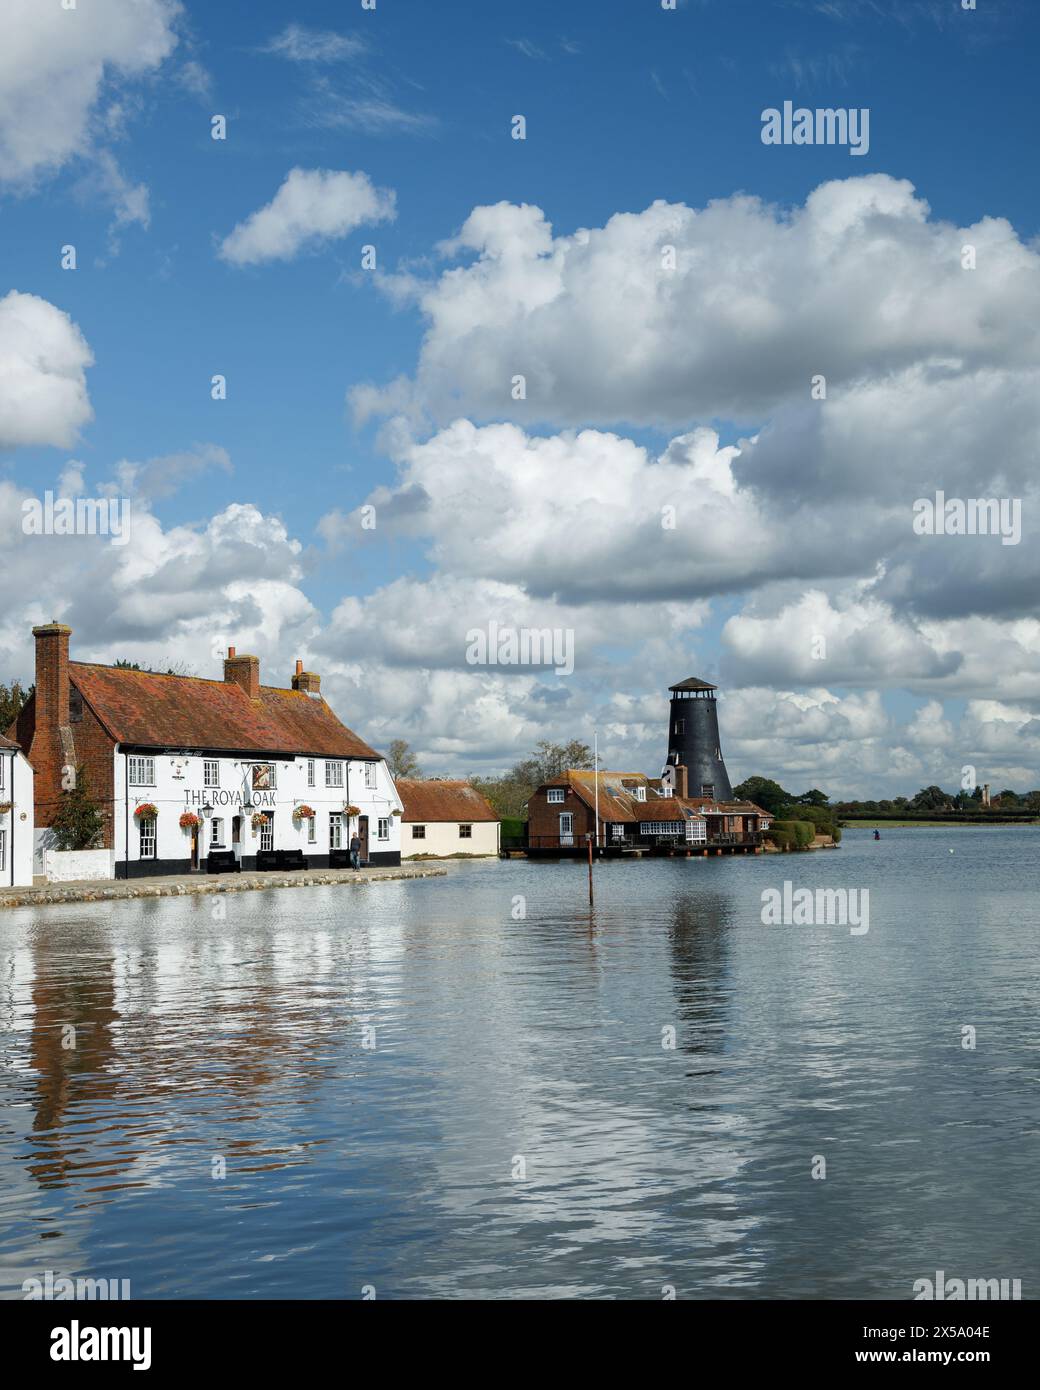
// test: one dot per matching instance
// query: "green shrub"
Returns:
(513, 828)
(791, 834)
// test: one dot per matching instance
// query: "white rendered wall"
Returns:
(18, 823)
(443, 839)
(179, 786)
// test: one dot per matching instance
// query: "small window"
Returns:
(147, 839)
(680, 726)
(217, 833)
(640, 793)
(418, 832)
(370, 778)
(383, 832)
(310, 772)
(617, 832)
(75, 706)
(335, 831)
(142, 772)
(555, 794)
(708, 789)
(3, 849)
(334, 774)
(312, 830)
(3, 773)
(211, 773)
(465, 832)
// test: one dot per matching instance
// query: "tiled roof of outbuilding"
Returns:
(442, 800)
(151, 711)
(8, 746)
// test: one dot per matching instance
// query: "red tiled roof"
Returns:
(153, 711)
(6, 744)
(442, 801)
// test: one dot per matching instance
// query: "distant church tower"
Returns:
(693, 739)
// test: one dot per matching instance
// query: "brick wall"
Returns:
(52, 741)
(543, 817)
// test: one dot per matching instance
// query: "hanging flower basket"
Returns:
(352, 810)
(146, 811)
(5, 806)
(189, 821)
(259, 820)
(396, 811)
(303, 813)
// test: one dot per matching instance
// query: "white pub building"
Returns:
(206, 775)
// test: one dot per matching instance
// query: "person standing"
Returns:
(355, 851)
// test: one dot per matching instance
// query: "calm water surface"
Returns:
(243, 1039)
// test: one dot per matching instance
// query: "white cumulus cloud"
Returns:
(312, 206)
(43, 384)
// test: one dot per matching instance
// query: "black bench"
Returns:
(281, 859)
(223, 861)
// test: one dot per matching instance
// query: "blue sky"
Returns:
(626, 104)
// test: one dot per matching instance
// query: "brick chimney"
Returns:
(681, 779)
(52, 675)
(306, 680)
(244, 671)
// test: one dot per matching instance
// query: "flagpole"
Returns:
(595, 760)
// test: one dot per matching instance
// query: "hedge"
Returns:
(791, 834)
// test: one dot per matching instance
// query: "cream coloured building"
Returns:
(444, 819)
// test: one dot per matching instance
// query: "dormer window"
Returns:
(708, 789)
(640, 793)
(555, 794)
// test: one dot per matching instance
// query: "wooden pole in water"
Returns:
(592, 901)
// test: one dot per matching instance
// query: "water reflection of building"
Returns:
(699, 943)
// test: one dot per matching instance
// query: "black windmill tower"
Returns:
(693, 739)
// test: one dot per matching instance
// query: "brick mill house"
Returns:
(196, 774)
(689, 809)
(444, 817)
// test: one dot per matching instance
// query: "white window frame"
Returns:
(383, 828)
(335, 830)
(312, 830)
(639, 793)
(3, 774)
(697, 830)
(660, 827)
(3, 849)
(147, 836)
(310, 772)
(334, 774)
(211, 772)
(556, 795)
(141, 770)
(370, 778)
(216, 833)
(267, 834)
(617, 832)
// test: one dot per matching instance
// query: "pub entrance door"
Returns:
(363, 837)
